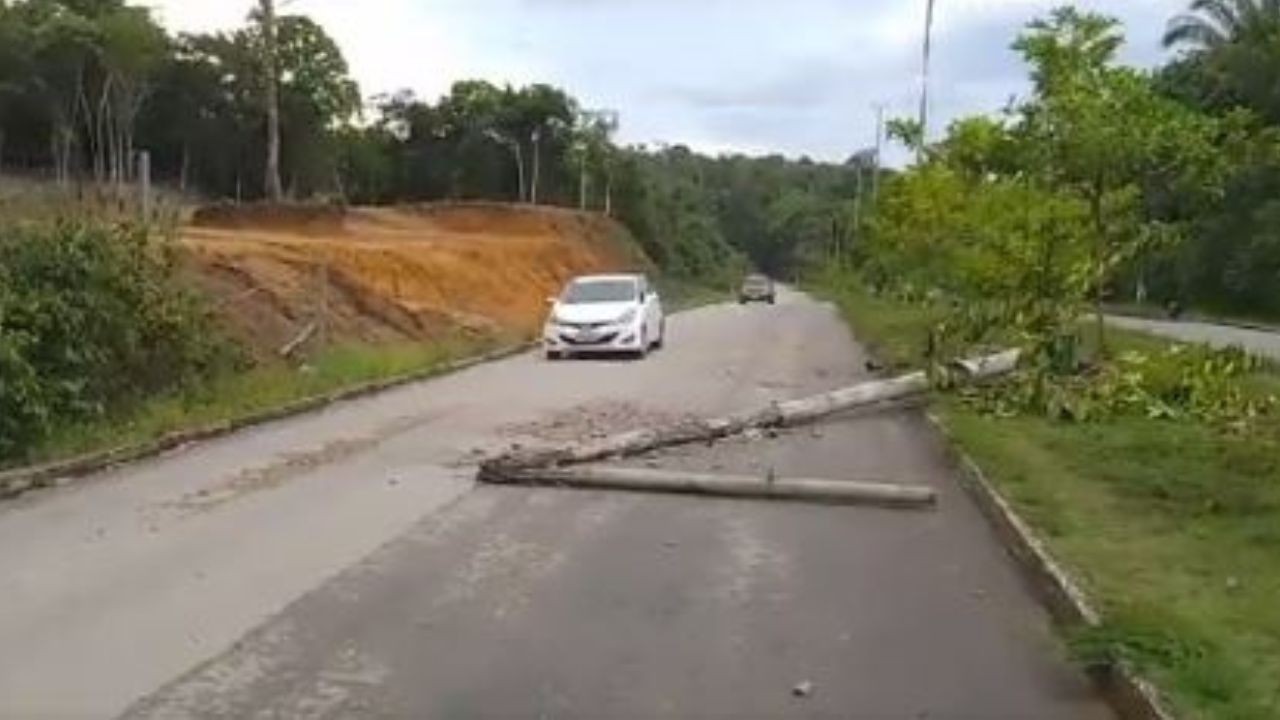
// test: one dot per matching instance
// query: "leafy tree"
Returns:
(1102, 133)
(591, 152)
(1216, 24)
(1236, 44)
(133, 47)
(60, 45)
(909, 132)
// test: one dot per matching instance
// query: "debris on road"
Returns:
(802, 689)
(591, 421)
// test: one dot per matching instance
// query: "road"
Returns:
(1259, 342)
(344, 565)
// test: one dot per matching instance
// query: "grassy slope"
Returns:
(1173, 527)
(241, 395)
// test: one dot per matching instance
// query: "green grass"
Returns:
(896, 333)
(1173, 528)
(241, 395)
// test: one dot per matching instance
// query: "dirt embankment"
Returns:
(394, 275)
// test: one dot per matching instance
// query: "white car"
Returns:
(605, 314)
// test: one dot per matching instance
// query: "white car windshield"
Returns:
(600, 291)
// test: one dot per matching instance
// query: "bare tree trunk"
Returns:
(93, 130)
(67, 143)
(582, 183)
(126, 130)
(186, 166)
(520, 170)
(115, 150)
(537, 168)
(608, 194)
(274, 190)
(111, 133)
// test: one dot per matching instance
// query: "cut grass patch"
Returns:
(240, 395)
(1172, 527)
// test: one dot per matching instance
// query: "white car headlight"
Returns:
(628, 317)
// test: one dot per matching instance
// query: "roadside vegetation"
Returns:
(92, 319)
(101, 345)
(232, 396)
(1172, 524)
(1152, 468)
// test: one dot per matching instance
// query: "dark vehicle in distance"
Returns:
(757, 288)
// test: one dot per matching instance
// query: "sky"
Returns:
(797, 77)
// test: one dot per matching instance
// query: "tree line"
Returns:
(84, 84)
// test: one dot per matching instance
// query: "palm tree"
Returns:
(1234, 51)
(1210, 25)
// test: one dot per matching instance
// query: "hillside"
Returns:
(407, 273)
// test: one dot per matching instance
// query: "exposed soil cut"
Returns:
(395, 274)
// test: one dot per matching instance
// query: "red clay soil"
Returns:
(395, 274)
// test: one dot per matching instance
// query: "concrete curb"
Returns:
(14, 483)
(1130, 696)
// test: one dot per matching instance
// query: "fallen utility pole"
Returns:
(831, 492)
(778, 415)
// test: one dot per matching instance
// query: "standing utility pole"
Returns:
(857, 204)
(274, 190)
(875, 179)
(924, 79)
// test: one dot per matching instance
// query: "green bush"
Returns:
(1182, 382)
(92, 318)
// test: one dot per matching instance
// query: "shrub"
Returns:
(91, 319)
(1182, 382)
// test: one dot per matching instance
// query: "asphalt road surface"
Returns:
(343, 565)
(1259, 342)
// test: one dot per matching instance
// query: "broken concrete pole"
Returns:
(799, 412)
(830, 492)
(794, 412)
(989, 366)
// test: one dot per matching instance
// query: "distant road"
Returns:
(1260, 342)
